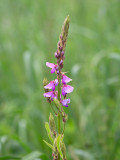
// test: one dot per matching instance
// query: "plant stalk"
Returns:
(59, 91)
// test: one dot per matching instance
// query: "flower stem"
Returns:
(63, 128)
(59, 86)
(59, 91)
(58, 131)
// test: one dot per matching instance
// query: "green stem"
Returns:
(58, 132)
(53, 109)
(59, 91)
(58, 109)
(63, 128)
(59, 87)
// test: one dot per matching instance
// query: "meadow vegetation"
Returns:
(29, 32)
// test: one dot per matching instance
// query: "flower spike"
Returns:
(58, 96)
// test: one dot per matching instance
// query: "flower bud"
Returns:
(64, 117)
(62, 53)
(57, 54)
(58, 72)
(60, 48)
(61, 63)
(58, 43)
(45, 81)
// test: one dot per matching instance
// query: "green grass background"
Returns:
(29, 32)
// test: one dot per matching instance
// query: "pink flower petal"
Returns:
(48, 94)
(65, 102)
(63, 92)
(50, 86)
(50, 65)
(65, 79)
(54, 95)
(53, 70)
(67, 89)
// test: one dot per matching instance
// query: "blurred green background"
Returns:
(29, 32)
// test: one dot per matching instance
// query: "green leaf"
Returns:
(32, 156)
(21, 142)
(48, 131)
(59, 140)
(83, 154)
(43, 157)
(9, 158)
(48, 144)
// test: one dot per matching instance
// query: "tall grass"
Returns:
(29, 31)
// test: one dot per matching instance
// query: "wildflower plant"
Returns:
(56, 92)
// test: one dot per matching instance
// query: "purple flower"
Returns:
(53, 66)
(66, 89)
(65, 102)
(65, 79)
(51, 94)
(52, 84)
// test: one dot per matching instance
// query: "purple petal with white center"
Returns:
(65, 79)
(65, 102)
(50, 65)
(48, 94)
(53, 70)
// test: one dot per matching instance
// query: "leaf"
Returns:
(9, 158)
(48, 144)
(48, 131)
(114, 55)
(59, 140)
(84, 154)
(43, 157)
(32, 156)
(24, 145)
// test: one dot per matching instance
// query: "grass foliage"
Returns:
(29, 32)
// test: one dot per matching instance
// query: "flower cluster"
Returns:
(62, 79)
(52, 85)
